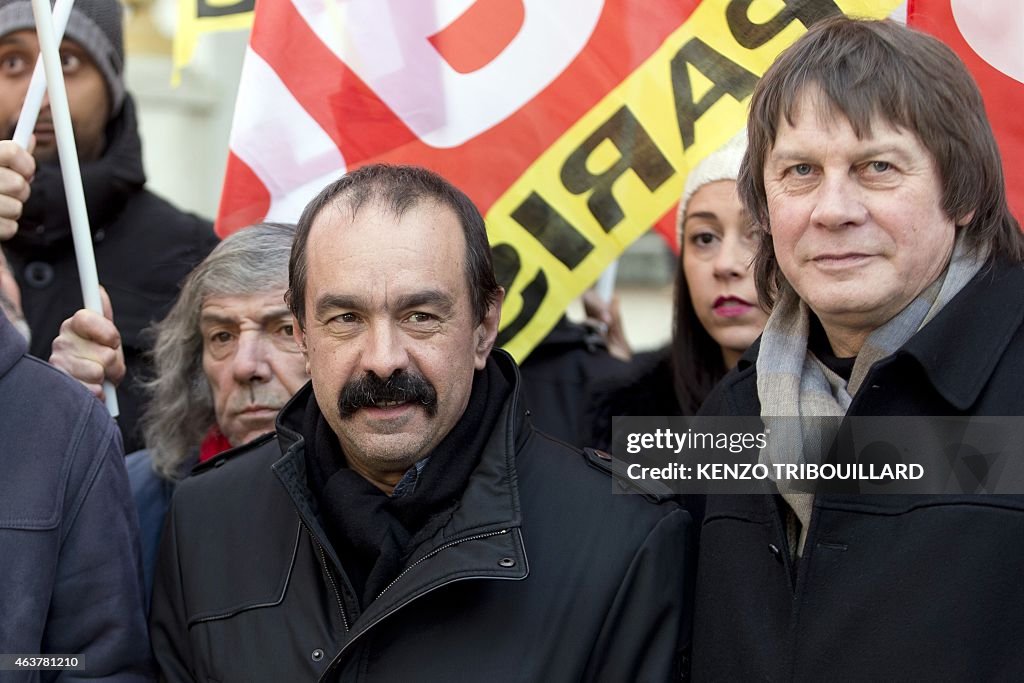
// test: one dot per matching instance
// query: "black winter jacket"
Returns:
(558, 376)
(144, 249)
(542, 574)
(889, 587)
(70, 578)
(643, 387)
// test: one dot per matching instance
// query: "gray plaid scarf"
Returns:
(792, 382)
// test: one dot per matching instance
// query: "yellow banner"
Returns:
(206, 16)
(611, 176)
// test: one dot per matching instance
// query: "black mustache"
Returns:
(371, 391)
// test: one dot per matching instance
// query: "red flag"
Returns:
(570, 124)
(466, 95)
(988, 36)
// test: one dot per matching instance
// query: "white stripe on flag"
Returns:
(386, 45)
(287, 150)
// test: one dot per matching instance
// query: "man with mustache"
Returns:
(144, 246)
(225, 364)
(406, 522)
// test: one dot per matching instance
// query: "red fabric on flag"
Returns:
(248, 201)
(1004, 96)
(466, 43)
(349, 112)
(666, 228)
(366, 130)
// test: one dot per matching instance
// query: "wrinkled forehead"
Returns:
(255, 306)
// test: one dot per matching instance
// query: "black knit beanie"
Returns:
(93, 24)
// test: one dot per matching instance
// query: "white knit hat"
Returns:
(722, 164)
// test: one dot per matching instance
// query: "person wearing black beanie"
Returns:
(144, 246)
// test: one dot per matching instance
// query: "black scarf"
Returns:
(374, 534)
(107, 183)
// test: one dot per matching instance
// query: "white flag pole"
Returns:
(37, 86)
(605, 285)
(70, 170)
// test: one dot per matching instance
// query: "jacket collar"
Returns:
(959, 357)
(749, 356)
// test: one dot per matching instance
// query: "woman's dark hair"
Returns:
(697, 363)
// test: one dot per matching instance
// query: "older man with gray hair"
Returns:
(225, 362)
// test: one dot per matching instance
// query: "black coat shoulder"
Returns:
(644, 386)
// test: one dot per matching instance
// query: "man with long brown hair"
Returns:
(894, 267)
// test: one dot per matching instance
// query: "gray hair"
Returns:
(180, 409)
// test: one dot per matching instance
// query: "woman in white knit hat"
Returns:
(716, 312)
(717, 315)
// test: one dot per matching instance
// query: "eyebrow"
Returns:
(330, 302)
(707, 215)
(217, 319)
(427, 297)
(22, 41)
(881, 150)
(712, 216)
(422, 298)
(798, 156)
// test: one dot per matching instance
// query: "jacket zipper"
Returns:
(435, 551)
(330, 577)
(337, 657)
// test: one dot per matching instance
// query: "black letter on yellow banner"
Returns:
(223, 8)
(729, 78)
(637, 151)
(506, 267)
(752, 36)
(552, 230)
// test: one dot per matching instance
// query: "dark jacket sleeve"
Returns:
(96, 610)
(168, 624)
(645, 636)
(152, 497)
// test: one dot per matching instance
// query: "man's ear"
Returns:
(299, 335)
(487, 331)
(966, 220)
